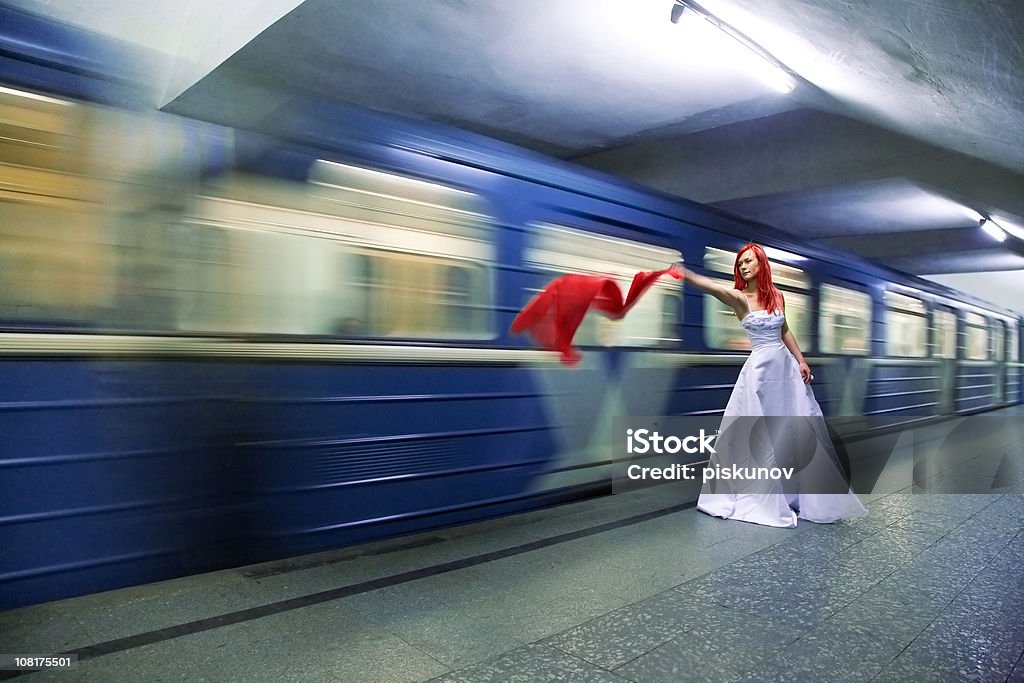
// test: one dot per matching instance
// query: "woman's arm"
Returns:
(790, 341)
(727, 295)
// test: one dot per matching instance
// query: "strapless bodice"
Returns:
(764, 329)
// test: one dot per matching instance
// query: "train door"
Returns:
(999, 356)
(844, 340)
(975, 370)
(1014, 368)
(627, 366)
(944, 350)
(904, 383)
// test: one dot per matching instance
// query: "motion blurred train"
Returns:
(219, 347)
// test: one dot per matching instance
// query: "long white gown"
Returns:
(769, 385)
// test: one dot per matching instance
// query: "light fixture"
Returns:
(768, 69)
(993, 230)
(1009, 228)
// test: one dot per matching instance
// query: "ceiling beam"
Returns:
(800, 150)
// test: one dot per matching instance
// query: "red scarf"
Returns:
(553, 316)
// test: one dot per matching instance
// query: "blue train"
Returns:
(234, 346)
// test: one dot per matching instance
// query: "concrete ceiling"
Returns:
(903, 130)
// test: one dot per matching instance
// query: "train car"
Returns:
(105, 478)
(308, 347)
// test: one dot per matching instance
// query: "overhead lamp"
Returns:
(770, 70)
(993, 230)
(1009, 228)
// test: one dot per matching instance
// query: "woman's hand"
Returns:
(805, 372)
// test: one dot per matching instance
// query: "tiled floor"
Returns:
(634, 587)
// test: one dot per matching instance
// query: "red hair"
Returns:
(768, 296)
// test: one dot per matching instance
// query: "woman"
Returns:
(772, 419)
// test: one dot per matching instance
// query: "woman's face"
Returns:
(748, 265)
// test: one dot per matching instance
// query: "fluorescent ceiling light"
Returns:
(1010, 228)
(760, 63)
(992, 229)
(775, 77)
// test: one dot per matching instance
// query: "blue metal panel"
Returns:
(112, 470)
(912, 390)
(975, 388)
(120, 472)
(1013, 385)
(342, 448)
(703, 389)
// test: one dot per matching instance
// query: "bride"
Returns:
(772, 418)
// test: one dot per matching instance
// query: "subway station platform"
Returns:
(630, 587)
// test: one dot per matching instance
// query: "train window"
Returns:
(721, 330)
(204, 262)
(54, 264)
(902, 302)
(40, 265)
(944, 334)
(654, 319)
(408, 295)
(906, 326)
(354, 253)
(90, 237)
(45, 133)
(999, 340)
(977, 336)
(671, 317)
(845, 321)
(798, 315)
(1013, 343)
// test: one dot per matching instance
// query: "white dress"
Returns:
(794, 436)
